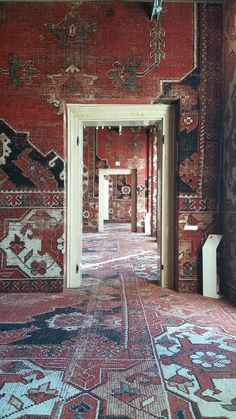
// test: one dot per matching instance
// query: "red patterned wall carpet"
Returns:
(119, 346)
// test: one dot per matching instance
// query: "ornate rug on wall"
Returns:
(64, 53)
(118, 347)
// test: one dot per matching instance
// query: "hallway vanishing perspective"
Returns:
(118, 347)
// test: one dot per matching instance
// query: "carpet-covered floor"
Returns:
(118, 347)
(117, 249)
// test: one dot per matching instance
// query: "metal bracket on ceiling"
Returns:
(157, 8)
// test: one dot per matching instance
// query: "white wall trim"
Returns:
(79, 116)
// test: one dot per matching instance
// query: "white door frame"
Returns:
(106, 199)
(82, 115)
(107, 172)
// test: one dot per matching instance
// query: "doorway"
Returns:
(104, 197)
(80, 116)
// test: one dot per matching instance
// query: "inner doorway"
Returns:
(104, 195)
(122, 196)
(80, 116)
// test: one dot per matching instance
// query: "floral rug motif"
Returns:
(119, 346)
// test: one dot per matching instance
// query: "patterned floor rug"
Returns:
(118, 347)
(117, 249)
